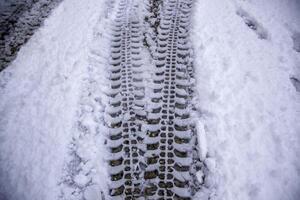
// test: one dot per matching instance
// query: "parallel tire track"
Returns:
(153, 155)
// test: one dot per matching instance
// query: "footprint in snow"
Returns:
(253, 24)
(296, 83)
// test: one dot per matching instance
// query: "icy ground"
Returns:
(247, 64)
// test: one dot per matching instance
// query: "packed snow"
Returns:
(247, 63)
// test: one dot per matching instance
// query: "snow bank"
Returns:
(39, 93)
(250, 109)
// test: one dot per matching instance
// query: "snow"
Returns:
(296, 40)
(296, 83)
(249, 107)
(18, 21)
(39, 95)
(52, 98)
(92, 193)
(202, 140)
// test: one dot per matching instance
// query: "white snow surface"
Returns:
(248, 105)
(39, 96)
(249, 127)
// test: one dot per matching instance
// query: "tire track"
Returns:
(153, 155)
(172, 158)
(126, 112)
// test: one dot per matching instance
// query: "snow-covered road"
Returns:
(55, 97)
